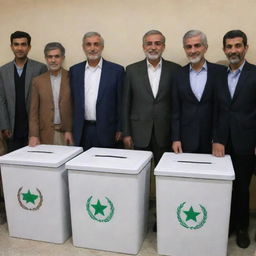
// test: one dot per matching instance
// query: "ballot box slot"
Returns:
(111, 156)
(193, 162)
(44, 152)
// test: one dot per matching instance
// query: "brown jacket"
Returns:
(41, 114)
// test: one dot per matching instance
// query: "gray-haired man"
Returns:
(50, 118)
(193, 98)
(96, 86)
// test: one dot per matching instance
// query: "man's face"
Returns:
(235, 50)
(20, 48)
(194, 49)
(153, 46)
(54, 60)
(93, 47)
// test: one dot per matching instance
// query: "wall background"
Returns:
(122, 23)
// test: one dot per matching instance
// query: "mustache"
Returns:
(234, 55)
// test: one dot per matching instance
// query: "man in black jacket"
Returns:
(236, 127)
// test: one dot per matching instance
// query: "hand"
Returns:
(218, 149)
(68, 138)
(176, 147)
(118, 136)
(6, 134)
(33, 141)
(128, 143)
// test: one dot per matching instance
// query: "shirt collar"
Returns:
(55, 77)
(99, 65)
(204, 67)
(238, 70)
(159, 65)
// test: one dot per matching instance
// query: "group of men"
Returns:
(154, 105)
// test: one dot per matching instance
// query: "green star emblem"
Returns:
(29, 198)
(99, 208)
(191, 215)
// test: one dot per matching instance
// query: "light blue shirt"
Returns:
(19, 69)
(198, 80)
(233, 77)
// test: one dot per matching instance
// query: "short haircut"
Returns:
(153, 32)
(53, 46)
(192, 33)
(234, 33)
(20, 34)
(93, 33)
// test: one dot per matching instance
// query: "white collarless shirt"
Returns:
(55, 83)
(154, 74)
(91, 87)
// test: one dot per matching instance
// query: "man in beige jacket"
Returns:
(50, 118)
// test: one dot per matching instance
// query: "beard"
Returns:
(151, 56)
(91, 56)
(195, 60)
(235, 60)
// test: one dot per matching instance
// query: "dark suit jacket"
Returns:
(7, 90)
(108, 102)
(236, 117)
(141, 111)
(42, 107)
(192, 120)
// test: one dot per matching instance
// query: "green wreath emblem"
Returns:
(199, 225)
(108, 218)
(27, 208)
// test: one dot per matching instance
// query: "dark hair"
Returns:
(235, 33)
(53, 46)
(20, 34)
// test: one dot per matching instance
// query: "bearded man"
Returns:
(147, 99)
(193, 98)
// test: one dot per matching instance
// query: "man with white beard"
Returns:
(147, 99)
(96, 86)
(193, 98)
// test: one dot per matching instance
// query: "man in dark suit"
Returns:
(236, 128)
(96, 86)
(15, 85)
(147, 99)
(193, 98)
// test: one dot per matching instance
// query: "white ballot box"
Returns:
(193, 204)
(36, 195)
(109, 193)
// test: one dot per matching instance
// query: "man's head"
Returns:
(153, 44)
(195, 45)
(93, 45)
(235, 46)
(54, 54)
(20, 44)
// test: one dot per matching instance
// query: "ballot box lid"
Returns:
(110, 160)
(41, 155)
(203, 166)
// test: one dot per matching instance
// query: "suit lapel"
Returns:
(207, 87)
(11, 89)
(62, 88)
(187, 84)
(103, 80)
(163, 78)
(80, 83)
(240, 83)
(48, 86)
(28, 78)
(146, 82)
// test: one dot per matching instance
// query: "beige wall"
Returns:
(122, 23)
